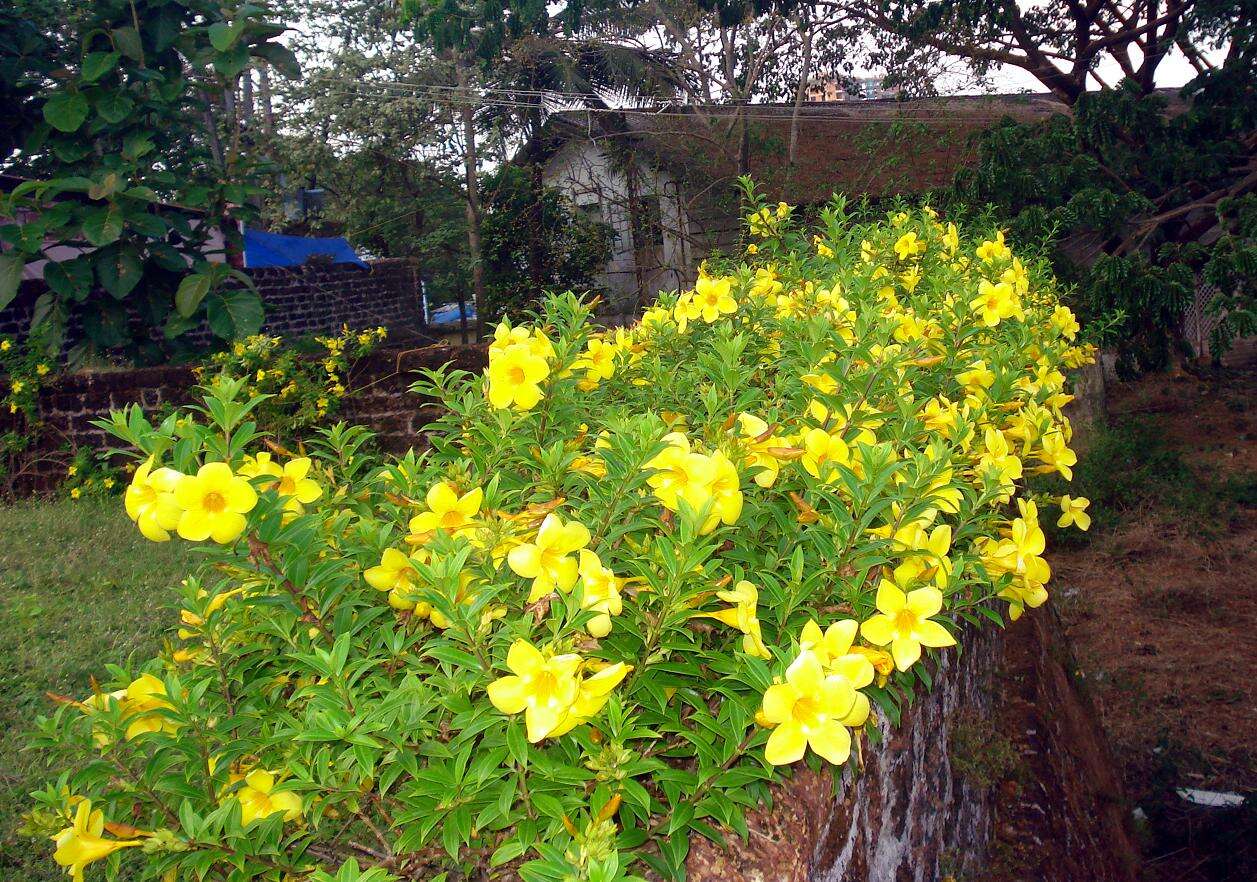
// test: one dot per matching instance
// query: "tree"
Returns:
(1142, 196)
(571, 248)
(129, 133)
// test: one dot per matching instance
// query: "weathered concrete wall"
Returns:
(910, 814)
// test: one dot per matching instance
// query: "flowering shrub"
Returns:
(637, 576)
(298, 390)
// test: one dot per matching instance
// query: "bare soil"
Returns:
(1159, 604)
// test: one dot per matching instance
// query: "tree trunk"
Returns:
(799, 93)
(246, 96)
(536, 249)
(473, 195)
(264, 96)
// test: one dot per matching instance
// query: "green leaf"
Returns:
(97, 64)
(102, 226)
(120, 270)
(235, 313)
(10, 277)
(192, 291)
(223, 35)
(72, 279)
(128, 42)
(107, 325)
(281, 57)
(113, 107)
(66, 111)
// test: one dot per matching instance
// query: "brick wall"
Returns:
(310, 299)
(68, 406)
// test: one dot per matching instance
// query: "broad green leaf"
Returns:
(192, 291)
(102, 225)
(127, 41)
(235, 313)
(72, 279)
(113, 107)
(10, 277)
(97, 64)
(223, 35)
(119, 270)
(66, 111)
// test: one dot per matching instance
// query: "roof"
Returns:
(877, 147)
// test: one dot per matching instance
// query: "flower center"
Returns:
(287, 486)
(516, 375)
(806, 711)
(905, 620)
(213, 502)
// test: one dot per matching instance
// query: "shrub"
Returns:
(637, 575)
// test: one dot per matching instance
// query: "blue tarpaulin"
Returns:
(448, 315)
(272, 249)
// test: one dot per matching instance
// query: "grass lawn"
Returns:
(79, 586)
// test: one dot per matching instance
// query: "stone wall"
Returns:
(912, 813)
(313, 298)
(67, 407)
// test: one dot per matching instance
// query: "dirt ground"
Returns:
(1160, 605)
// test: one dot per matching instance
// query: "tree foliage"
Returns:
(127, 172)
(1142, 195)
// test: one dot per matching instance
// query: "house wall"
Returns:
(596, 184)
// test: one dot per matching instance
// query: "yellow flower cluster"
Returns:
(213, 502)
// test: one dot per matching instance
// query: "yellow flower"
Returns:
(991, 251)
(1056, 456)
(600, 592)
(823, 451)
(839, 658)
(6, 345)
(42, 369)
(759, 442)
(150, 501)
(807, 710)
(258, 799)
(743, 615)
(142, 703)
(396, 574)
(83, 843)
(294, 487)
(909, 246)
(927, 557)
(447, 510)
(712, 299)
(592, 695)
(548, 560)
(598, 362)
(542, 685)
(1063, 320)
(17, 386)
(214, 503)
(903, 621)
(1074, 511)
(994, 302)
(515, 374)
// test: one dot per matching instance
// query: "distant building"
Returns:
(860, 89)
(664, 181)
